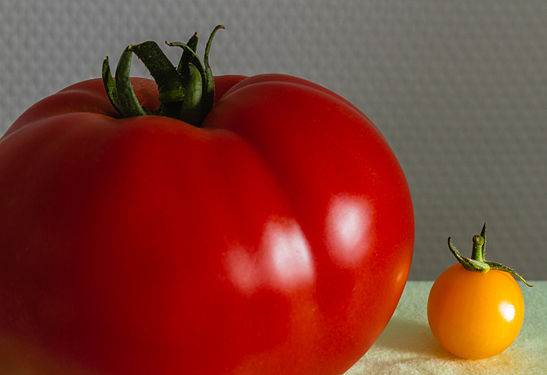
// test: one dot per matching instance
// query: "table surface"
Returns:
(408, 347)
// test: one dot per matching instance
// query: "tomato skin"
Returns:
(146, 245)
(475, 315)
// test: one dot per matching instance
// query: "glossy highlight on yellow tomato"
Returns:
(475, 307)
(475, 315)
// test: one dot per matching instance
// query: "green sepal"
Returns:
(128, 103)
(169, 82)
(195, 110)
(110, 85)
(190, 111)
(209, 95)
(501, 267)
(185, 59)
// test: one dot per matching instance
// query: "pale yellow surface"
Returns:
(408, 347)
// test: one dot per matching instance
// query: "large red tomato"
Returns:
(276, 238)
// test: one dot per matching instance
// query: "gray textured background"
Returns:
(459, 89)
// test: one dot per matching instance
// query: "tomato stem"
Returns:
(478, 248)
(185, 92)
(477, 262)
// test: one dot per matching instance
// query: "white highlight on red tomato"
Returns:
(283, 259)
(348, 229)
(291, 263)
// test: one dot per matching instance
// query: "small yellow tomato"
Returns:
(475, 315)
(475, 308)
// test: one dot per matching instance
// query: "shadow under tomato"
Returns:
(411, 336)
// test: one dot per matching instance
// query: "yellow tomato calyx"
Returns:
(477, 262)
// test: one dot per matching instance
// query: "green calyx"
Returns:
(186, 92)
(477, 262)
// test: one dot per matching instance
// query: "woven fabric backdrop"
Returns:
(458, 88)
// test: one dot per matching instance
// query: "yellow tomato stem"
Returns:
(478, 248)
